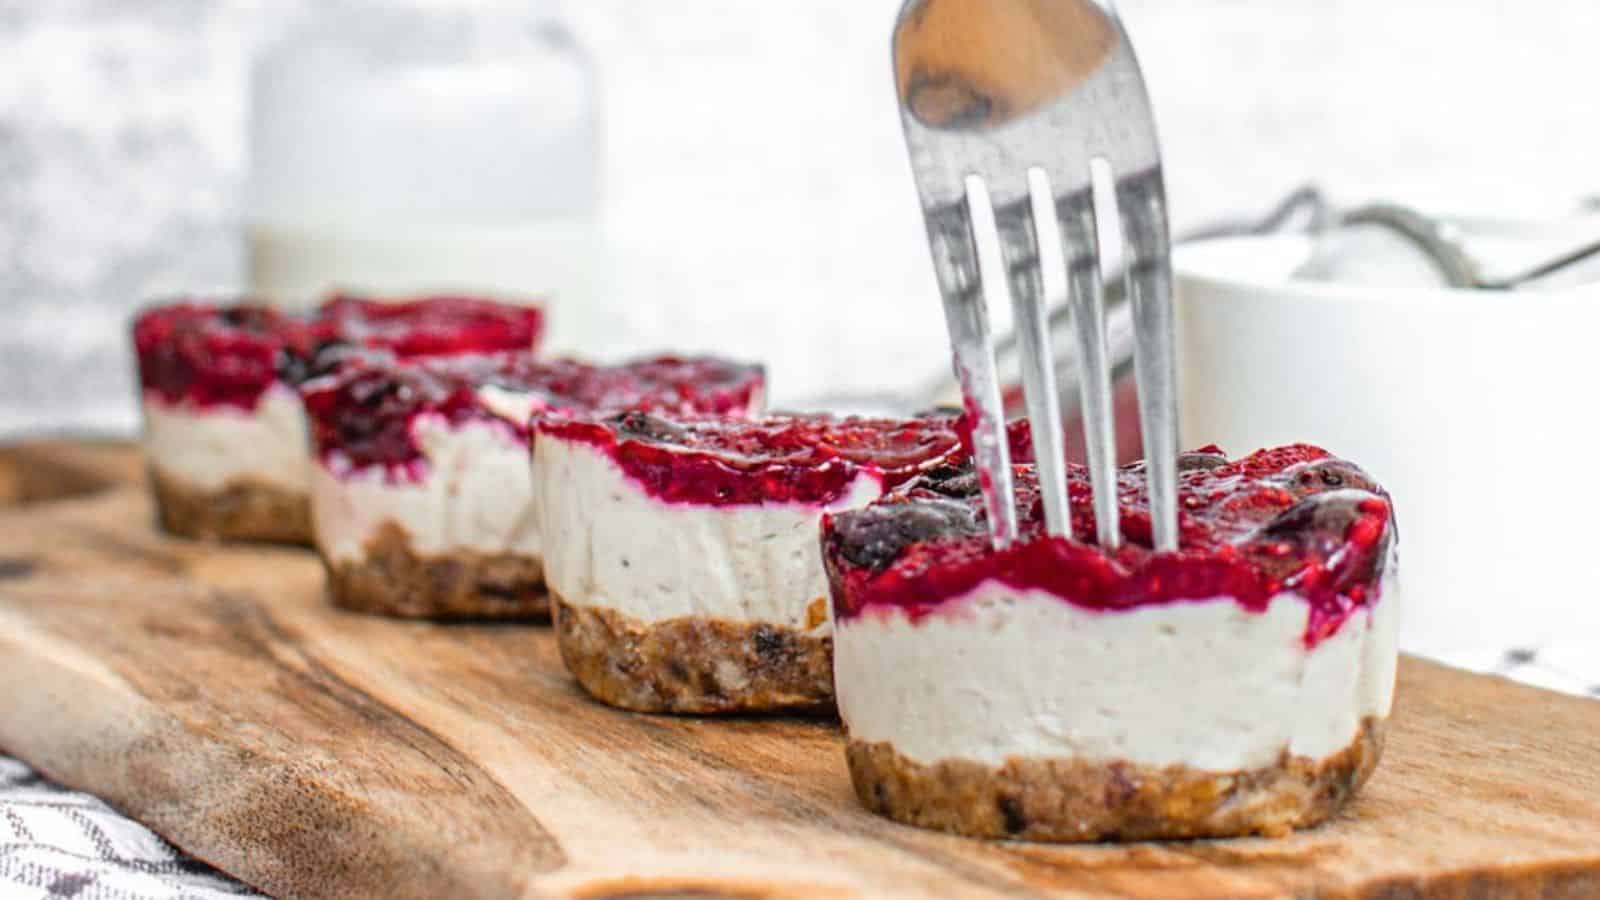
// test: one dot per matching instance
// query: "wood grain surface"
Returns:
(211, 693)
(52, 470)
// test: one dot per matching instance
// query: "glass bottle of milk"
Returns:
(401, 147)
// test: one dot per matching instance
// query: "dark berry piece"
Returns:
(1192, 461)
(1318, 528)
(645, 427)
(874, 537)
(1200, 460)
(1328, 513)
(954, 481)
(328, 356)
(250, 318)
(1325, 475)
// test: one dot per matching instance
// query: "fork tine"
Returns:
(1081, 245)
(1087, 109)
(952, 238)
(1037, 277)
(1141, 200)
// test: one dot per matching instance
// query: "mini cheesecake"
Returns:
(422, 496)
(682, 555)
(225, 434)
(1056, 691)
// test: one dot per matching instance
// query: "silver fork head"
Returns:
(1006, 105)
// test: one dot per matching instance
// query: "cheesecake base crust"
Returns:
(393, 580)
(694, 665)
(241, 511)
(1071, 801)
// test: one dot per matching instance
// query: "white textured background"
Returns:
(757, 196)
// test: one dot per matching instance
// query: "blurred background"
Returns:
(753, 193)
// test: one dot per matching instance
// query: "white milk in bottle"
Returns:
(401, 147)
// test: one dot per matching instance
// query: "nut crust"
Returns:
(393, 580)
(694, 665)
(1069, 800)
(241, 511)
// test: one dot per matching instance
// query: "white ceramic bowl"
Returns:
(1476, 410)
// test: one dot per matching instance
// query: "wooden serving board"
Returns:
(211, 693)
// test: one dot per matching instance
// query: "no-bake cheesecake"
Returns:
(1053, 690)
(682, 554)
(422, 493)
(225, 434)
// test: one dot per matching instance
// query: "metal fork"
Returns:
(1008, 106)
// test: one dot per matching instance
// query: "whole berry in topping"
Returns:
(1329, 474)
(256, 319)
(952, 480)
(1200, 460)
(644, 426)
(1319, 530)
(876, 536)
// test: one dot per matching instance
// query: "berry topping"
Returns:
(434, 326)
(209, 355)
(364, 411)
(781, 459)
(205, 354)
(1289, 519)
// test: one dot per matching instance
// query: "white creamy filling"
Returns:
(212, 447)
(610, 544)
(1004, 673)
(474, 492)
